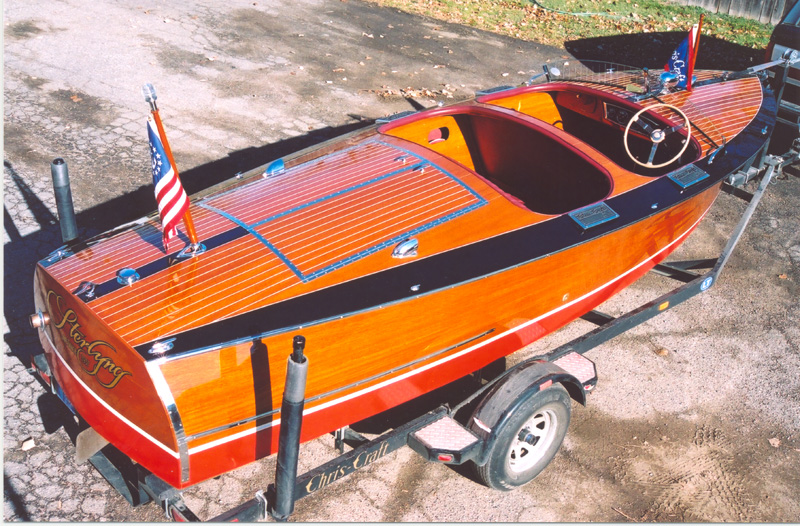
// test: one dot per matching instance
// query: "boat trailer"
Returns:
(438, 435)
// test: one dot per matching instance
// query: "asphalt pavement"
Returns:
(697, 413)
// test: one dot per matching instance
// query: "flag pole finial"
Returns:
(149, 92)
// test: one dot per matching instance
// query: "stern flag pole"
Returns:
(680, 66)
(695, 47)
(149, 93)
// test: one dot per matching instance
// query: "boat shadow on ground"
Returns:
(652, 50)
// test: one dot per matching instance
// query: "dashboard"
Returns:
(622, 116)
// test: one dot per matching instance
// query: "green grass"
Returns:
(553, 21)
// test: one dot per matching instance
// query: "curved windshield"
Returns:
(634, 84)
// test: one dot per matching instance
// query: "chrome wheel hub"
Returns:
(533, 440)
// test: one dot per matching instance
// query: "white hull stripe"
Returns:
(102, 402)
(446, 359)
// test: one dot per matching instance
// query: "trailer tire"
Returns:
(512, 461)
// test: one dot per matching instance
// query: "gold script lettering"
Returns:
(363, 459)
(91, 359)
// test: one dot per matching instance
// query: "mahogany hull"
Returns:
(192, 391)
(521, 319)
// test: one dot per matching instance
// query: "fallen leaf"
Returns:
(783, 276)
(75, 98)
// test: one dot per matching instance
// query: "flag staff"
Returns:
(695, 48)
(149, 92)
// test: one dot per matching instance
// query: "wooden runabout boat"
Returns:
(408, 254)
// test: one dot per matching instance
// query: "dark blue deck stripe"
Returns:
(244, 228)
(469, 262)
(163, 263)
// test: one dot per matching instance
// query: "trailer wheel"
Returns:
(528, 440)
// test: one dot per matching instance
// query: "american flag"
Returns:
(170, 195)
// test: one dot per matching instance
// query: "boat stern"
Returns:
(101, 378)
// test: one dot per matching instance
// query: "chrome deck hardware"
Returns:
(127, 276)
(406, 249)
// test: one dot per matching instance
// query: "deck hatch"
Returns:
(593, 215)
(346, 206)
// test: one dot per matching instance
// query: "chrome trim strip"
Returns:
(165, 393)
(343, 388)
(438, 363)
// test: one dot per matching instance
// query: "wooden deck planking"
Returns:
(133, 248)
(315, 216)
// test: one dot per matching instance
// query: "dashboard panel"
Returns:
(622, 116)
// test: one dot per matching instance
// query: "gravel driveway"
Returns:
(697, 413)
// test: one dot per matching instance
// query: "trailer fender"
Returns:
(509, 394)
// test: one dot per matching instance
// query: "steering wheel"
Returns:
(657, 135)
